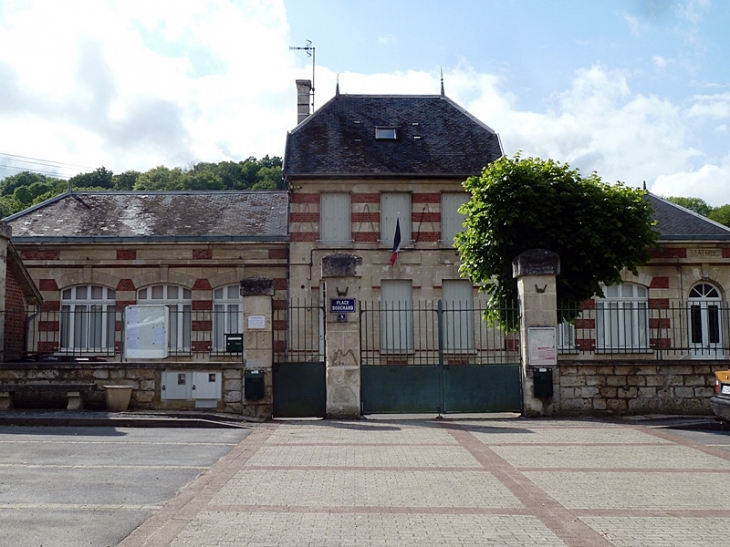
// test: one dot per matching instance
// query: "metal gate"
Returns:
(436, 357)
(299, 381)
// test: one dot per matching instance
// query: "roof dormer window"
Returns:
(385, 133)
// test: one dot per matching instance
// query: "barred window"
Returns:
(226, 314)
(88, 319)
(622, 318)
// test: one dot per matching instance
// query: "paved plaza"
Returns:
(502, 481)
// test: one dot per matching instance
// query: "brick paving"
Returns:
(452, 482)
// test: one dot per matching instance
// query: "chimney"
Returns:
(304, 91)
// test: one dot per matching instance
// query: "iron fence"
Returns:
(659, 329)
(434, 332)
(97, 332)
(299, 331)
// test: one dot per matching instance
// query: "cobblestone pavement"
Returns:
(453, 482)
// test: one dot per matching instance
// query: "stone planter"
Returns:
(117, 397)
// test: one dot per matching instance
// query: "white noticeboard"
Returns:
(256, 321)
(542, 346)
(146, 332)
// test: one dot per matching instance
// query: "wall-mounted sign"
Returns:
(704, 253)
(256, 321)
(342, 305)
(541, 346)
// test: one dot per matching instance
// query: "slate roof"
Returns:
(434, 136)
(677, 223)
(180, 216)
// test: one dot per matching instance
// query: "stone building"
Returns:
(378, 179)
(19, 296)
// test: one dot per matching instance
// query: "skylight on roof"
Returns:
(387, 133)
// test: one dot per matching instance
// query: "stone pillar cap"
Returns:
(536, 262)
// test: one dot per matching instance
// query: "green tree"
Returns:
(26, 178)
(159, 178)
(527, 203)
(203, 180)
(6, 207)
(721, 214)
(697, 205)
(98, 178)
(125, 181)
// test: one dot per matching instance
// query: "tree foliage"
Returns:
(721, 214)
(22, 190)
(697, 205)
(528, 203)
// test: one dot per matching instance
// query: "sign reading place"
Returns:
(342, 305)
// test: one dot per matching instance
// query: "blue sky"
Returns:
(637, 90)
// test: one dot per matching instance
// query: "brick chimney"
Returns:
(304, 92)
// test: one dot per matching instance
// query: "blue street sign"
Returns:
(342, 305)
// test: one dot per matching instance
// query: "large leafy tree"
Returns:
(526, 203)
(697, 205)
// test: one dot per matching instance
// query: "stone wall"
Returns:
(633, 387)
(145, 379)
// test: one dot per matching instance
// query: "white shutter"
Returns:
(396, 316)
(335, 226)
(451, 220)
(392, 207)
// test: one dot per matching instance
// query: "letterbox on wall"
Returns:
(254, 384)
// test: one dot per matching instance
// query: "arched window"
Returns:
(622, 319)
(226, 314)
(88, 319)
(179, 302)
(705, 321)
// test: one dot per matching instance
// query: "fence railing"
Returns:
(98, 333)
(299, 331)
(433, 332)
(662, 330)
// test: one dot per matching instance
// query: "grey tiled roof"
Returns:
(435, 136)
(180, 215)
(677, 223)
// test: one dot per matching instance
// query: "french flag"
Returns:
(396, 243)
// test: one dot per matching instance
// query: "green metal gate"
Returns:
(298, 380)
(436, 357)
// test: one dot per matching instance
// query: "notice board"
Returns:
(146, 332)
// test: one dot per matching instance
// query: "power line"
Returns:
(39, 171)
(51, 163)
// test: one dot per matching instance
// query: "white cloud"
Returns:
(709, 182)
(660, 63)
(133, 84)
(712, 107)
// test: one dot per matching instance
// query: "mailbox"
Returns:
(542, 382)
(253, 388)
(234, 343)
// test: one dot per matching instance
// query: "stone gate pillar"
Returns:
(341, 274)
(258, 346)
(536, 271)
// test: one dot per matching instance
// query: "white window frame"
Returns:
(386, 133)
(88, 319)
(451, 219)
(395, 206)
(335, 218)
(705, 321)
(622, 319)
(179, 300)
(227, 315)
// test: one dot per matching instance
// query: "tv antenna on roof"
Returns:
(309, 49)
